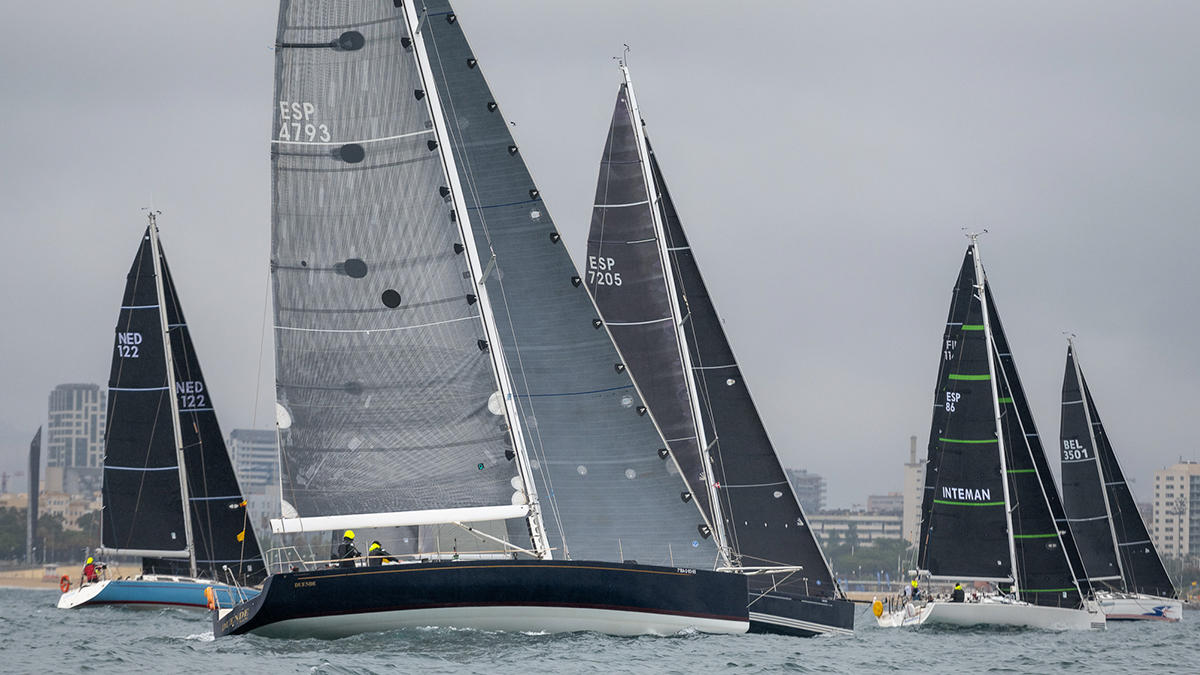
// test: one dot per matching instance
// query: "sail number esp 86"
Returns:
(600, 271)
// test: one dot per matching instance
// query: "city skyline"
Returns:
(825, 161)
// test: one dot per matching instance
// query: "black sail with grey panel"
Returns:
(762, 516)
(963, 531)
(221, 528)
(142, 501)
(626, 275)
(1141, 564)
(382, 364)
(606, 492)
(1083, 488)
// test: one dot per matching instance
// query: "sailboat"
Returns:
(164, 450)
(991, 513)
(437, 370)
(654, 302)
(1118, 554)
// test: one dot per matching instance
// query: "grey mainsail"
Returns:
(383, 365)
(607, 493)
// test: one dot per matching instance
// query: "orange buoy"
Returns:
(64, 584)
(212, 597)
(877, 608)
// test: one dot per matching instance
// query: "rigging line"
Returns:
(456, 134)
(360, 142)
(375, 330)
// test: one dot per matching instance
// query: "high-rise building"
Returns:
(255, 459)
(809, 488)
(914, 489)
(75, 438)
(1176, 527)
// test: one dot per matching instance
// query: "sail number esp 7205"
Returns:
(600, 271)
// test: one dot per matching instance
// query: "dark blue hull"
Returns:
(800, 615)
(508, 595)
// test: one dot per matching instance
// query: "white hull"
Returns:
(1129, 607)
(995, 613)
(510, 619)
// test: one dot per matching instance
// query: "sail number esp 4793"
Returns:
(296, 125)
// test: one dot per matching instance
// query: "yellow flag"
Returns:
(242, 535)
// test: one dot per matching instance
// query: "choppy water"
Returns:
(36, 637)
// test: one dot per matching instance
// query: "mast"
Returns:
(1087, 413)
(496, 350)
(170, 359)
(987, 327)
(677, 319)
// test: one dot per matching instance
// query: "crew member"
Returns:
(914, 591)
(346, 552)
(90, 571)
(957, 595)
(377, 555)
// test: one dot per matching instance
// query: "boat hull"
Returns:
(1130, 607)
(535, 596)
(1013, 615)
(152, 593)
(800, 615)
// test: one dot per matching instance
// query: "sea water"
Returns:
(36, 637)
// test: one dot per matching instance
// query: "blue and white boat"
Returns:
(164, 450)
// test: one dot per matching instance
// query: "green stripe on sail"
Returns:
(1022, 470)
(956, 376)
(972, 327)
(1034, 536)
(940, 501)
(1006, 400)
(1047, 590)
(955, 440)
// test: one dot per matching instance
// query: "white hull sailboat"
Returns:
(995, 611)
(1118, 553)
(991, 512)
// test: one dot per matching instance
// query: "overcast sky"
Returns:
(825, 157)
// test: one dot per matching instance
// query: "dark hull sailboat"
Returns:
(164, 449)
(654, 302)
(1118, 553)
(991, 512)
(436, 364)
(506, 595)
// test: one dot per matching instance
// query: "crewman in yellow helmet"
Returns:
(346, 553)
(377, 555)
(90, 575)
(915, 592)
(958, 595)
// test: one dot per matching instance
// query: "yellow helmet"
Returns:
(89, 561)
(374, 545)
(914, 583)
(349, 534)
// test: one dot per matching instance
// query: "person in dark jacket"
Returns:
(346, 552)
(377, 555)
(957, 595)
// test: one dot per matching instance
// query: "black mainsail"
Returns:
(1090, 466)
(579, 408)
(653, 299)
(143, 513)
(991, 510)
